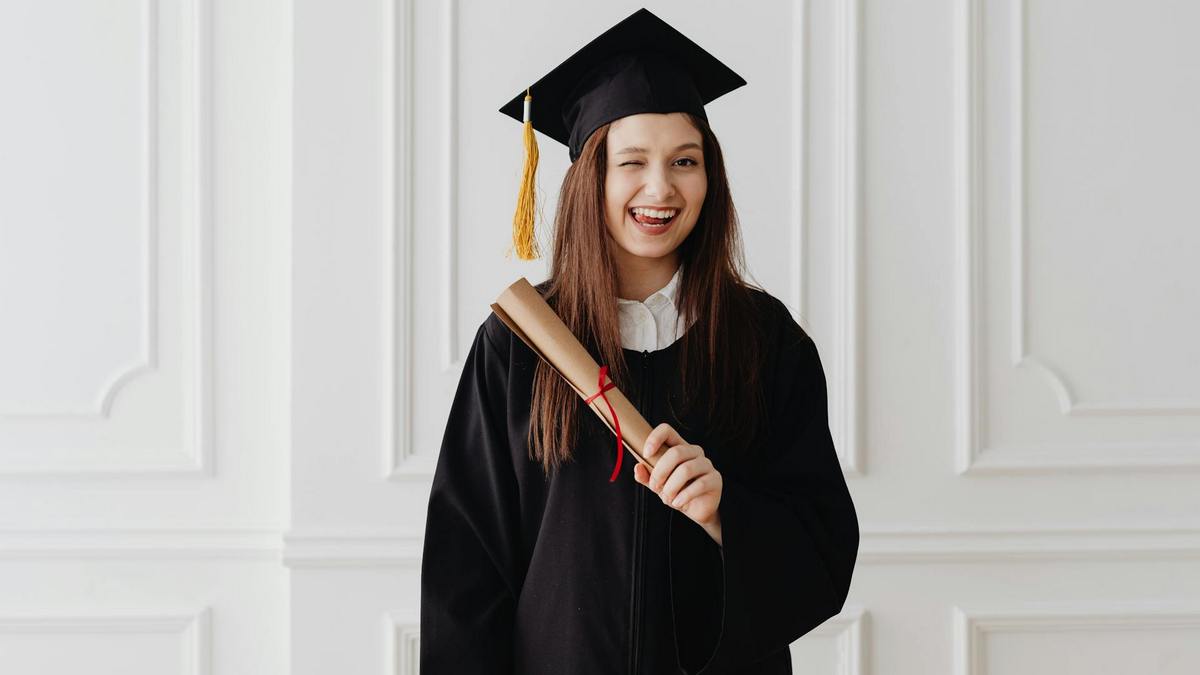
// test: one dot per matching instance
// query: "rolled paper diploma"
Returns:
(524, 311)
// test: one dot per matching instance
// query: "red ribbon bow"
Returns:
(603, 388)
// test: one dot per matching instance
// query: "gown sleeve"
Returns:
(789, 534)
(469, 564)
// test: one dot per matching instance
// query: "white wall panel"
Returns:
(144, 353)
(105, 272)
(1076, 260)
(837, 646)
(134, 642)
(1077, 640)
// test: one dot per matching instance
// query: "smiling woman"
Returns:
(701, 244)
(654, 188)
(744, 536)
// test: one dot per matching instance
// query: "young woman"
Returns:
(744, 537)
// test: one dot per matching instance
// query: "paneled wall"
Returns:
(144, 292)
(244, 246)
(967, 203)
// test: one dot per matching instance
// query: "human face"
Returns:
(655, 160)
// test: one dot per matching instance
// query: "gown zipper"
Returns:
(639, 540)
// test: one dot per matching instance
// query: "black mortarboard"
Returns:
(640, 65)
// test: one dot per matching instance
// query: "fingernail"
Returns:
(675, 503)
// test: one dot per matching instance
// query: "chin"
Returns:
(636, 245)
(652, 252)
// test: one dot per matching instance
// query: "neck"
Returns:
(638, 277)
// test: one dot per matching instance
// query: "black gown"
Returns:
(574, 575)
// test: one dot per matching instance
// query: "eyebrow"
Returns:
(632, 149)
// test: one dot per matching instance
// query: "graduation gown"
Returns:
(572, 574)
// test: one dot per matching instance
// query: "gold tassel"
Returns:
(523, 225)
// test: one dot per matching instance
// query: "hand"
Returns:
(683, 477)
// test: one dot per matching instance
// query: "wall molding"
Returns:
(896, 545)
(140, 544)
(352, 548)
(146, 360)
(1022, 355)
(195, 218)
(973, 625)
(194, 626)
(915, 544)
(388, 547)
(848, 230)
(973, 455)
(402, 643)
(399, 458)
(848, 629)
(451, 363)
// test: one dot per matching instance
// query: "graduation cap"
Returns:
(640, 65)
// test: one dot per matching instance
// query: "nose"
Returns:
(659, 186)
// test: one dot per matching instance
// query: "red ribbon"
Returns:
(603, 388)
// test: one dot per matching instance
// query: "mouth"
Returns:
(651, 225)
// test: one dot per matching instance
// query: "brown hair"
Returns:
(582, 289)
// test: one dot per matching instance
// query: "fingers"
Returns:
(679, 474)
(683, 476)
(640, 473)
(694, 489)
(666, 464)
(663, 434)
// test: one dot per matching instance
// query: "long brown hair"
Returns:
(582, 289)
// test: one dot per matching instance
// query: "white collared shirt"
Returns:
(655, 323)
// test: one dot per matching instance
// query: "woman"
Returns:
(744, 536)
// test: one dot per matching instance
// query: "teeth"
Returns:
(653, 213)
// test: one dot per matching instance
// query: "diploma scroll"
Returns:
(524, 311)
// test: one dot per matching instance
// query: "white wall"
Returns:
(219, 416)
(144, 291)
